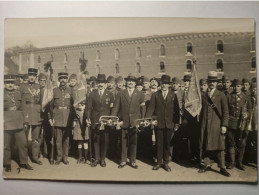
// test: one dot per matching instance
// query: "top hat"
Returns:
(203, 81)
(131, 78)
(110, 78)
(9, 77)
(33, 71)
(236, 82)
(212, 76)
(101, 78)
(187, 77)
(225, 79)
(175, 80)
(62, 74)
(165, 79)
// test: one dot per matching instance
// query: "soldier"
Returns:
(129, 102)
(213, 125)
(239, 108)
(62, 116)
(226, 85)
(100, 104)
(31, 106)
(246, 87)
(164, 106)
(13, 125)
(204, 85)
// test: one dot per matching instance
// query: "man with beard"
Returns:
(203, 85)
(226, 85)
(62, 116)
(164, 106)
(13, 125)
(31, 94)
(213, 125)
(129, 102)
(100, 104)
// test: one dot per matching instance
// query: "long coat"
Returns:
(166, 111)
(130, 107)
(211, 137)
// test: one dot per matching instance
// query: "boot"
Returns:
(240, 159)
(79, 156)
(232, 158)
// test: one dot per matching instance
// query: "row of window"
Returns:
(189, 50)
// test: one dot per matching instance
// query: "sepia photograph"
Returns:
(130, 99)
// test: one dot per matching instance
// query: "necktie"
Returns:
(130, 92)
(101, 94)
(164, 95)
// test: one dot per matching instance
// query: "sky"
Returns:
(50, 32)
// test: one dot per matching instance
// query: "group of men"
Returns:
(228, 108)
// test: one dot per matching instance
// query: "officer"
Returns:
(203, 85)
(239, 108)
(100, 104)
(13, 125)
(226, 82)
(31, 106)
(62, 116)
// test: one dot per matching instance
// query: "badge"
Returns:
(67, 95)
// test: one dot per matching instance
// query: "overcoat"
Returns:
(129, 107)
(211, 137)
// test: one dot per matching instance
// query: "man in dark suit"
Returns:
(213, 125)
(164, 105)
(100, 104)
(129, 102)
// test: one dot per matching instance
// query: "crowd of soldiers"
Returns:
(225, 128)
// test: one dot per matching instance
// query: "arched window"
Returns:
(117, 54)
(220, 46)
(189, 47)
(253, 44)
(39, 59)
(162, 67)
(65, 58)
(253, 64)
(162, 50)
(138, 68)
(98, 69)
(138, 52)
(219, 65)
(117, 69)
(98, 55)
(51, 58)
(189, 65)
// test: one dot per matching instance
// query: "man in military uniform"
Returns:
(204, 85)
(239, 108)
(62, 116)
(246, 87)
(13, 125)
(129, 102)
(100, 104)
(31, 105)
(226, 82)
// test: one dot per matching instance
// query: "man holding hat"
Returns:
(213, 125)
(164, 107)
(13, 125)
(62, 116)
(100, 104)
(32, 93)
(129, 102)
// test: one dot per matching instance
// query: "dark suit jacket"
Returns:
(99, 107)
(166, 111)
(130, 107)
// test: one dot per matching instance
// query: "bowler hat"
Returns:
(131, 78)
(9, 77)
(33, 71)
(62, 74)
(212, 76)
(175, 80)
(187, 77)
(101, 78)
(165, 79)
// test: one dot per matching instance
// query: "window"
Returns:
(138, 52)
(65, 58)
(220, 46)
(219, 65)
(162, 67)
(39, 60)
(117, 69)
(189, 65)
(138, 68)
(189, 48)
(51, 58)
(117, 54)
(82, 55)
(98, 69)
(253, 44)
(162, 50)
(98, 55)
(253, 64)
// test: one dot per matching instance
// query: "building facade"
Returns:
(229, 53)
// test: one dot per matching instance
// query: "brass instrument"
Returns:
(145, 122)
(109, 121)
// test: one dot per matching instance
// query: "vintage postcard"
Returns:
(130, 99)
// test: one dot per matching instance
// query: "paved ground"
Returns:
(179, 173)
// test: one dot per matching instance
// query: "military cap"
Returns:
(236, 82)
(175, 80)
(73, 76)
(101, 78)
(110, 78)
(118, 79)
(203, 81)
(33, 71)
(9, 77)
(131, 78)
(165, 79)
(245, 80)
(62, 74)
(212, 76)
(225, 79)
(42, 76)
(187, 77)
